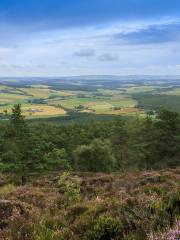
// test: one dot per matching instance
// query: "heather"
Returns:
(139, 205)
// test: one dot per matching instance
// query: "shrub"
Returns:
(70, 187)
(96, 157)
(106, 228)
(57, 159)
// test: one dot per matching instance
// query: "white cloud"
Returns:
(88, 50)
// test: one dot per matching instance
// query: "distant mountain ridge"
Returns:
(89, 78)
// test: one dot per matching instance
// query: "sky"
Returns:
(89, 37)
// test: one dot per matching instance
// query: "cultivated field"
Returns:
(57, 98)
(56, 102)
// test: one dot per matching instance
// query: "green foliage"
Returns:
(141, 143)
(89, 205)
(70, 187)
(157, 101)
(124, 206)
(95, 157)
(48, 230)
(135, 143)
(167, 136)
(165, 212)
(17, 120)
(57, 159)
(106, 228)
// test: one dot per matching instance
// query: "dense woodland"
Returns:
(96, 180)
(136, 143)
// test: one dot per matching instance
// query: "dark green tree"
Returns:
(95, 157)
(17, 120)
(119, 138)
(140, 143)
(57, 160)
(18, 145)
(167, 137)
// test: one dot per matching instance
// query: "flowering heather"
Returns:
(135, 204)
(175, 233)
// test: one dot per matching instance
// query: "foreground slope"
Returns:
(141, 205)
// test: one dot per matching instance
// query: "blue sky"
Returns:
(84, 37)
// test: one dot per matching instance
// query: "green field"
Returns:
(58, 102)
(58, 99)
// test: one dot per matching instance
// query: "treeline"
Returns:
(136, 143)
(156, 101)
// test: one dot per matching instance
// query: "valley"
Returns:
(91, 95)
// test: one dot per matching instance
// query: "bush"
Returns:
(70, 187)
(106, 228)
(57, 159)
(96, 157)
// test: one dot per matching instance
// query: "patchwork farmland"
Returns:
(52, 98)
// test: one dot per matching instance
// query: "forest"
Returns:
(114, 179)
(136, 143)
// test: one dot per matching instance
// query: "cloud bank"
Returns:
(80, 37)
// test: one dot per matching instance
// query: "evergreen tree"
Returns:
(96, 157)
(167, 137)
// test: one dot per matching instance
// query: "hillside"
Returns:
(90, 181)
(93, 95)
(140, 205)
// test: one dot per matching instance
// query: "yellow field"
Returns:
(105, 103)
(37, 110)
(42, 110)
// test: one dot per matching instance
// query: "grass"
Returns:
(42, 110)
(38, 92)
(72, 102)
(137, 89)
(35, 110)
(6, 190)
(44, 92)
(124, 102)
(13, 97)
(99, 106)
